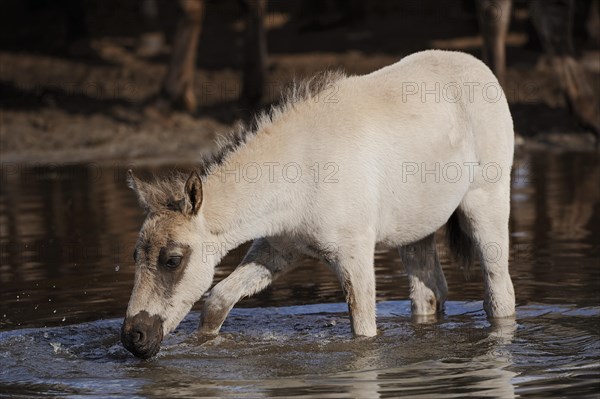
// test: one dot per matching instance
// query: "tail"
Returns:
(460, 242)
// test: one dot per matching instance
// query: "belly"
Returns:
(412, 207)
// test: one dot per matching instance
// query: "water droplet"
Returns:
(55, 346)
(117, 267)
(54, 311)
(50, 300)
(64, 318)
(46, 335)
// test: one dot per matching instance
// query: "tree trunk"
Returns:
(494, 19)
(178, 86)
(255, 51)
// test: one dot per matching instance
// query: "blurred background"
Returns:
(84, 80)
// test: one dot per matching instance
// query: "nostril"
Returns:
(137, 336)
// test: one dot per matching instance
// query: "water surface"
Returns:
(67, 234)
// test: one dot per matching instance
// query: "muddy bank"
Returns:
(99, 105)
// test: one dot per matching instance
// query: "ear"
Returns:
(140, 189)
(193, 193)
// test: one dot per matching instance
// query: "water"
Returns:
(67, 234)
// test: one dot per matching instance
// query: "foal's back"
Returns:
(401, 136)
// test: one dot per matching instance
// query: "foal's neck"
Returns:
(246, 196)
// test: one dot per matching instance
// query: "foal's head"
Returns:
(171, 273)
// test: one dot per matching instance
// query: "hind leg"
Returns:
(485, 219)
(428, 288)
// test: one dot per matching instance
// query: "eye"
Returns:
(173, 262)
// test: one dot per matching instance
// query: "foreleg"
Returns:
(262, 264)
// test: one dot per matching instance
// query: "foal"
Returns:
(344, 164)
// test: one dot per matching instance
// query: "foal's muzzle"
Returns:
(142, 334)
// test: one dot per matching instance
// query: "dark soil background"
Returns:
(66, 99)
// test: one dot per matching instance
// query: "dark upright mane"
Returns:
(166, 192)
(296, 92)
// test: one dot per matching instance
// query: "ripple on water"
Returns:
(308, 351)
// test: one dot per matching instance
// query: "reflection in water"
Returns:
(462, 354)
(66, 238)
(65, 232)
(555, 227)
